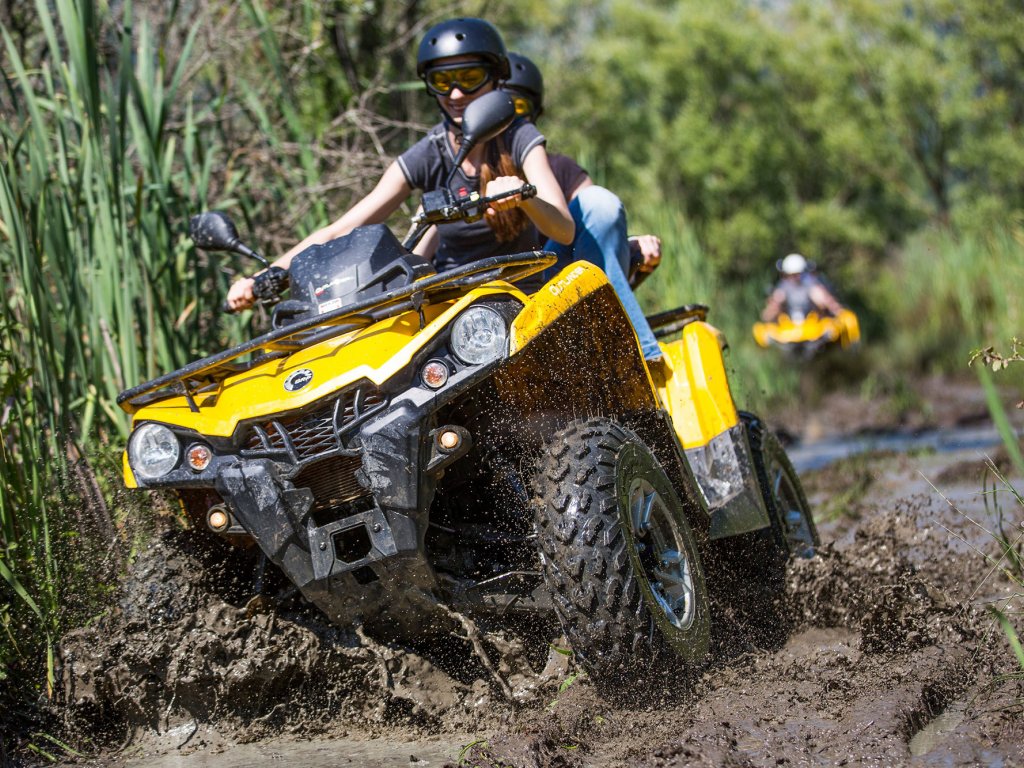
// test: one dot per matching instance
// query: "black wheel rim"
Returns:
(661, 552)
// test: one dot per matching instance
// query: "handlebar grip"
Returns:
(270, 283)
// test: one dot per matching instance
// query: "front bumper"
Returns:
(365, 553)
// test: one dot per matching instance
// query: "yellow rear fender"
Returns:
(850, 328)
(696, 391)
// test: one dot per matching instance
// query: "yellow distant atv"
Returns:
(404, 444)
(803, 338)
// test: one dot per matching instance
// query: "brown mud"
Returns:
(892, 659)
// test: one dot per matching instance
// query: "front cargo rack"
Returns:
(203, 375)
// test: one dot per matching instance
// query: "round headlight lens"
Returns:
(153, 451)
(479, 335)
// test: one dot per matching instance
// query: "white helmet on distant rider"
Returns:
(793, 264)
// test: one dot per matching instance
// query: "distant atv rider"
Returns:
(600, 218)
(459, 60)
(799, 292)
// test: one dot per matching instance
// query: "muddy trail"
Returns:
(890, 656)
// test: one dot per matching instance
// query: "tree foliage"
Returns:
(833, 128)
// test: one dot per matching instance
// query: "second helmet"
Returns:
(526, 77)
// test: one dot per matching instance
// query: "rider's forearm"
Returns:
(552, 221)
(375, 208)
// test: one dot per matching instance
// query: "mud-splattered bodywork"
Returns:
(360, 481)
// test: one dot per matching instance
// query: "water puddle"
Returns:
(929, 737)
(821, 453)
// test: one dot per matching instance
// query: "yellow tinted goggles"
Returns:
(524, 106)
(466, 79)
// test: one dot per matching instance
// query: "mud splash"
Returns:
(883, 668)
(177, 656)
(891, 660)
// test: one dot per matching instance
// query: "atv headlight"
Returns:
(479, 335)
(153, 451)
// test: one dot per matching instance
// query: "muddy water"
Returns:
(891, 660)
(388, 750)
(817, 454)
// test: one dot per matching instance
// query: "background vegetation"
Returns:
(883, 139)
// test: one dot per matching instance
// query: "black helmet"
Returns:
(526, 77)
(463, 37)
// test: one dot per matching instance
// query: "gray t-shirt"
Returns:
(427, 164)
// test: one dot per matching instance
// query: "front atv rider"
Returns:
(459, 60)
(799, 292)
(599, 215)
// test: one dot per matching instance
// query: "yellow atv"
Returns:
(805, 337)
(404, 445)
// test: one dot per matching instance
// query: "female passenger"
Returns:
(460, 60)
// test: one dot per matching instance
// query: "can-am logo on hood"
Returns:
(298, 379)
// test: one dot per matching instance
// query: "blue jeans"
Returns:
(601, 239)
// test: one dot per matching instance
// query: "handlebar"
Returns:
(440, 207)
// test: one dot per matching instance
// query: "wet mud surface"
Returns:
(892, 658)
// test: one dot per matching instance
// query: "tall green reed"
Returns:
(946, 293)
(112, 137)
(1010, 538)
(99, 293)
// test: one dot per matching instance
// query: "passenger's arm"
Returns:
(649, 249)
(380, 203)
(774, 305)
(548, 210)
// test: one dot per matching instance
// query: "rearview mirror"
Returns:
(214, 231)
(483, 119)
(487, 117)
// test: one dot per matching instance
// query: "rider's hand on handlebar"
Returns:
(240, 295)
(498, 186)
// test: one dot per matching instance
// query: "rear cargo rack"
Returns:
(203, 375)
(674, 320)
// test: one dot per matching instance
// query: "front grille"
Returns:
(302, 437)
(332, 481)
